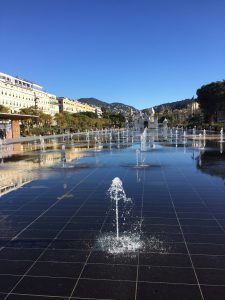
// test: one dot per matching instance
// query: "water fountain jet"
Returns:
(42, 143)
(143, 140)
(117, 193)
(221, 135)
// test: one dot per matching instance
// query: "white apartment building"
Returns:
(17, 93)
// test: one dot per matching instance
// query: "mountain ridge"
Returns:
(180, 104)
(114, 107)
(118, 107)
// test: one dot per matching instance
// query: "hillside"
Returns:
(117, 107)
(94, 102)
(114, 107)
(173, 105)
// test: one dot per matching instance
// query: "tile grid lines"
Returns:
(59, 199)
(89, 239)
(147, 224)
(80, 275)
(51, 206)
(212, 183)
(44, 250)
(113, 280)
(107, 279)
(202, 200)
(152, 252)
(166, 224)
(131, 281)
(14, 214)
(191, 243)
(192, 264)
(159, 231)
(55, 297)
(114, 264)
(22, 206)
(75, 286)
(84, 250)
(122, 280)
(146, 217)
(141, 218)
(27, 202)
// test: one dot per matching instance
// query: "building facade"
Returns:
(194, 108)
(140, 121)
(17, 93)
(74, 106)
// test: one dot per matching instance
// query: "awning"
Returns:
(8, 116)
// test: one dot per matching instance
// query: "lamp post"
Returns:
(36, 107)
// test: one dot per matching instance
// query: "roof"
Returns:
(8, 116)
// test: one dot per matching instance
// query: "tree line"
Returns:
(211, 98)
(65, 121)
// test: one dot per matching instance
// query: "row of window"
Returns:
(15, 95)
(23, 97)
(17, 104)
(5, 102)
(32, 93)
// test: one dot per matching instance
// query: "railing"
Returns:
(56, 136)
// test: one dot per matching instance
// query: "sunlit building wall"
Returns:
(17, 93)
(73, 106)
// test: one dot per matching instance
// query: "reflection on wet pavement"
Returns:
(54, 210)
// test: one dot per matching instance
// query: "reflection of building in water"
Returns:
(14, 174)
(9, 150)
(212, 163)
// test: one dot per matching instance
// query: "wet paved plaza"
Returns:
(49, 227)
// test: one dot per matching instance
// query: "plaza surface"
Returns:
(50, 226)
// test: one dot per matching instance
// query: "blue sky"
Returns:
(139, 52)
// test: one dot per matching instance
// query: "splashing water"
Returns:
(124, 244)
(140, 159)
(221, 135)
(118, 137)
(153, 244)
(117, 193)
(137, 157)
(143, 140)
(131, 240)
(42, 143)
(127, 241)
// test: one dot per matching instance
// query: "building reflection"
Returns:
(18, 168)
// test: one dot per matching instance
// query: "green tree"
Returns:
(4, 109)
(27, 124)
(115, 120)
(211, 98)
(62, 120)
(42, 125)
(89, 114)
